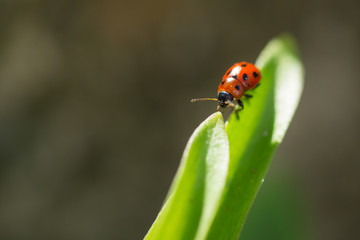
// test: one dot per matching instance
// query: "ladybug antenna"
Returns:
(203, 99)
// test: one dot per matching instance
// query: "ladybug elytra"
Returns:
(241, 77)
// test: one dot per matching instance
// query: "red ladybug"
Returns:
(241, 77)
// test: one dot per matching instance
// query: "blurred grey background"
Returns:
(95, 111)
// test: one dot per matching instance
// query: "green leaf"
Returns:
(197, 188)
(254, 137)
(213, 191)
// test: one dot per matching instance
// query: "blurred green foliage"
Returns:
(280, 211)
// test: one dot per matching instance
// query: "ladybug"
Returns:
(242, 76)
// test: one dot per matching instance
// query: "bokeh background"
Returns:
(95, 113)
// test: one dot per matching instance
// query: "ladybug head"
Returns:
(224, 99)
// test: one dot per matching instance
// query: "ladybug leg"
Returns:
(218, 108)
(231, 104)
(257, 85)
(241, 104)
(237, 110)
(248, 95)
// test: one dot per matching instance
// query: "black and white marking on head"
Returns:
(224, 98)
(234, 76)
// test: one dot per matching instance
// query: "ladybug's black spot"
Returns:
(243, 65)
(234, 76)
(245, 76)
(228, 72)
(237, 87)
(255, 74)
(222, 83)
